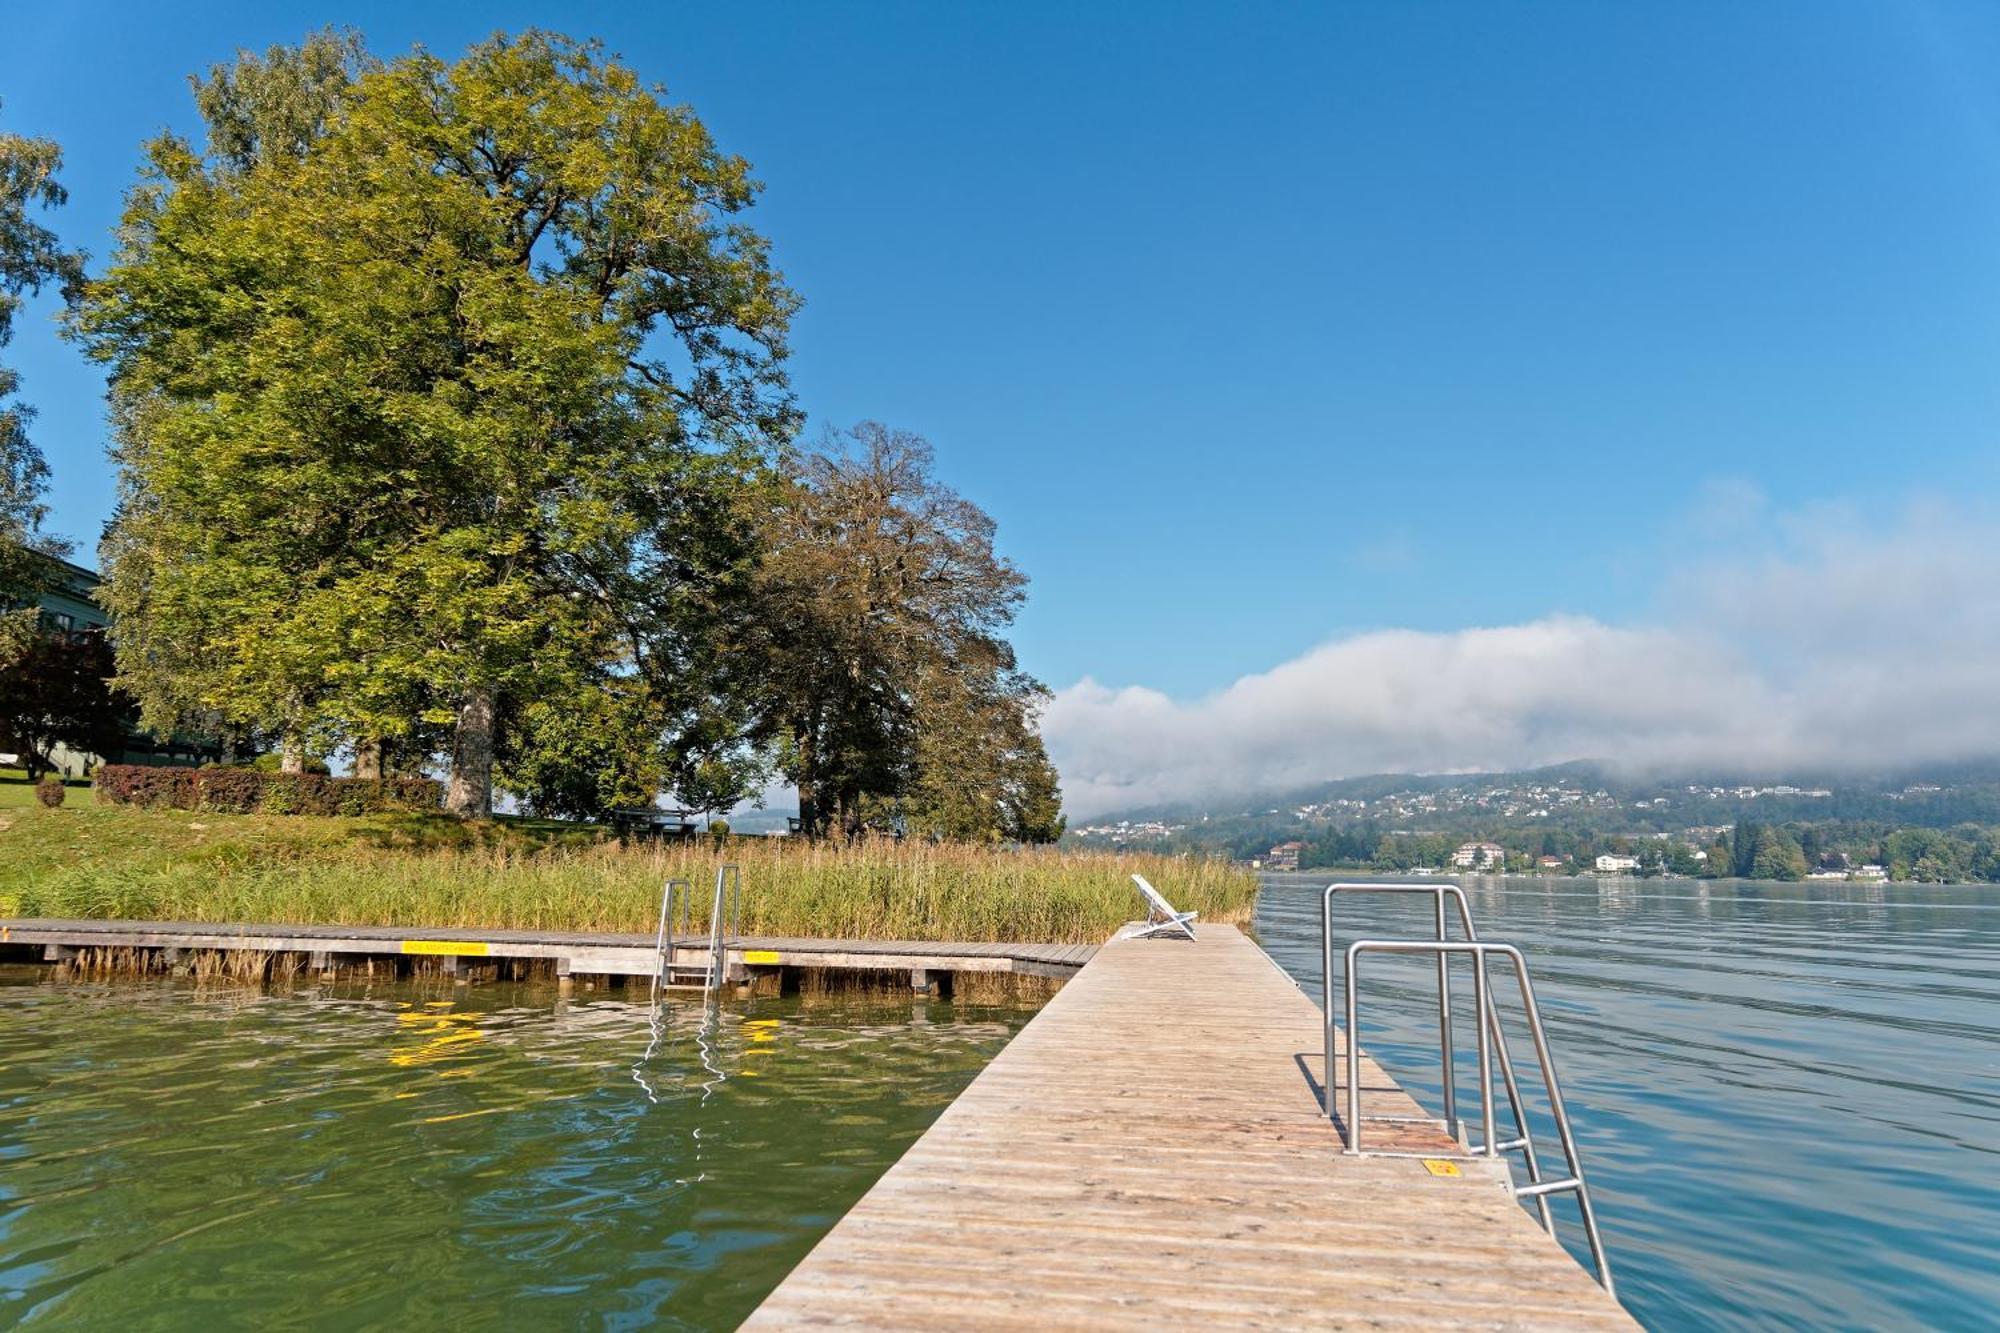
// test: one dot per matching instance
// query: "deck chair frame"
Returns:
(1161, 918)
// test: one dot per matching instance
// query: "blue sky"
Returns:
(1261, 327)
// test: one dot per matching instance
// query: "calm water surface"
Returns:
(175, 1158)
(1788, 1096)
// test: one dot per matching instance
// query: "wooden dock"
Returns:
(1150, 1152)
(929, 962)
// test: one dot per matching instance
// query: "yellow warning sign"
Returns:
(759, 956)
(1437, 1166)
(460, 948)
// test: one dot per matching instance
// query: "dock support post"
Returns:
(565, 983)
(322, 963)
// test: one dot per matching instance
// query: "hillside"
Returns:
(1351, 815)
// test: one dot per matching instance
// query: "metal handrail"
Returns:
(663, 940)
(1523, 1142)
(1487, 1026)
(728, 878)
(1438, 892)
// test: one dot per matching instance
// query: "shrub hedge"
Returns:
(244, 791)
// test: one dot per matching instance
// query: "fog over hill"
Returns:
(1773, 642)
(1598, 795)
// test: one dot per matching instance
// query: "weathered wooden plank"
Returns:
(1149, 1151)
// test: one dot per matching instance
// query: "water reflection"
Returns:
(170, 1157)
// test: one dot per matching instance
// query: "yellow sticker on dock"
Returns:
(759, 956)
(460, 948)
(1439, 1167)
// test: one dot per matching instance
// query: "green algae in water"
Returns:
(356, 1158)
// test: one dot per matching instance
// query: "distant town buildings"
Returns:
(1609, 864)
(1126, 830)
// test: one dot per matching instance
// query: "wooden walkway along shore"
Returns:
(574, 954)
(1149, 1152)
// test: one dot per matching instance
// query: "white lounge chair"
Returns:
(1161, 917)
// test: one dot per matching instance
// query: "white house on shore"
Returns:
(1612, 865)
(1480, 856)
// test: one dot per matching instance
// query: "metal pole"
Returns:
(714, 976)
(1326, 993)
(660, 939)
(1570, 1156)
(1447, 1063)
(1353, 987)
(1482, 1003)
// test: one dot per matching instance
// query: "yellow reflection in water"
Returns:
(443, 1034)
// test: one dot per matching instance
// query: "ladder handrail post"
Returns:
(666, 941)
(1507, 1077)
(1353, 990)
(1482, 1003)
(1447, 1058)
(713, 978)
(1326, 996)
(1571, 1158)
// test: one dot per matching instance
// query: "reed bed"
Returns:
(113, 862)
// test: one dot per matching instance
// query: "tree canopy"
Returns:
(452, 419)
(445, 396)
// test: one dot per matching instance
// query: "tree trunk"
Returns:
(809, 811)
(292, 757)
(368, 759)
(470, 795)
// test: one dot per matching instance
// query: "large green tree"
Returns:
(31, 257)
(441, 388)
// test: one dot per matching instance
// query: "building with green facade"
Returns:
(70, 606)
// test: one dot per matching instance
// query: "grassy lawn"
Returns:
(85, 860)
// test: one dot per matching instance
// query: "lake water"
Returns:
(406, 1155)
(1787, 1096)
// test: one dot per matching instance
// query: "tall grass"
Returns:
(165, 865)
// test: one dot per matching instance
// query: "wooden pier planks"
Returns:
(1149, 1152)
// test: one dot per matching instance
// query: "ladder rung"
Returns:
(1548, 1187)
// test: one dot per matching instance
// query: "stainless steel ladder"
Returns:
(1491, 1046)
(679, 893)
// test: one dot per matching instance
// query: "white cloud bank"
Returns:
(1824, 639)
